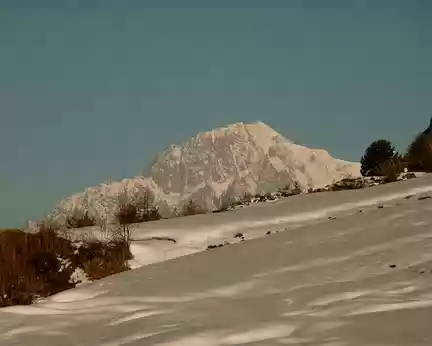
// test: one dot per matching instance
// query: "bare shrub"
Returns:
(41, 263)
(391, 169)
(266, 197)
(99, 258)
(192, 209)
(121, 234)
(347, 184)
(127, 213)
(138, 209)
(80, 220)
(290, 189)
(246, 198)
(30, 266)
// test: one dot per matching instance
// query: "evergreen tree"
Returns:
(378, 153)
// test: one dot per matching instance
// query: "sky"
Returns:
(92, 90)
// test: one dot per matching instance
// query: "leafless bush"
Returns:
(30, 266)
(290, 189)
(192, 209)
(121, 234)
(41, 263)
(347, 184)
(138, 209)
(100, 258)
(246, 198)
(391, 169)
(80, 219)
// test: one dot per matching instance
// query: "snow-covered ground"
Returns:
(345, 268)
(195, 233)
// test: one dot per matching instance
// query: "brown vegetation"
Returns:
(29, 265)
(192, 208)
(347, 184)
(290, 190)
(99, 259)
(419, 154)
(80, 220)
(391, 169)
(140, 209)
(40, 264)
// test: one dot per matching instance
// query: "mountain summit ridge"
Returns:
(214, 167)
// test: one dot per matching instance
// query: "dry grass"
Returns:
(391, 169)
(99, 259)
(31, 264)
(192, 208)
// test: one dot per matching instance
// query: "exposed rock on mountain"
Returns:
(216, 166)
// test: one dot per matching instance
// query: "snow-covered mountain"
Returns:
(215, 167)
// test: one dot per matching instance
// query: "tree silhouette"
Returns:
(378, 153)
(419, 153)
(428, 131)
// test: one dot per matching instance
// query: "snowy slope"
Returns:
(215, 167)
(363, 278)
(195, 233)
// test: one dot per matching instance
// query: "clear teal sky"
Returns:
(90, 90)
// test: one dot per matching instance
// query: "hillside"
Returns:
(349, 268)
(215, 167)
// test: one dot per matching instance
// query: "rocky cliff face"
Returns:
(216, 166)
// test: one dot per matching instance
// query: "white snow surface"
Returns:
(215, 167)
(363, 277)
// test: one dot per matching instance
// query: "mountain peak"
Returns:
(258, 133)
(218, 165)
